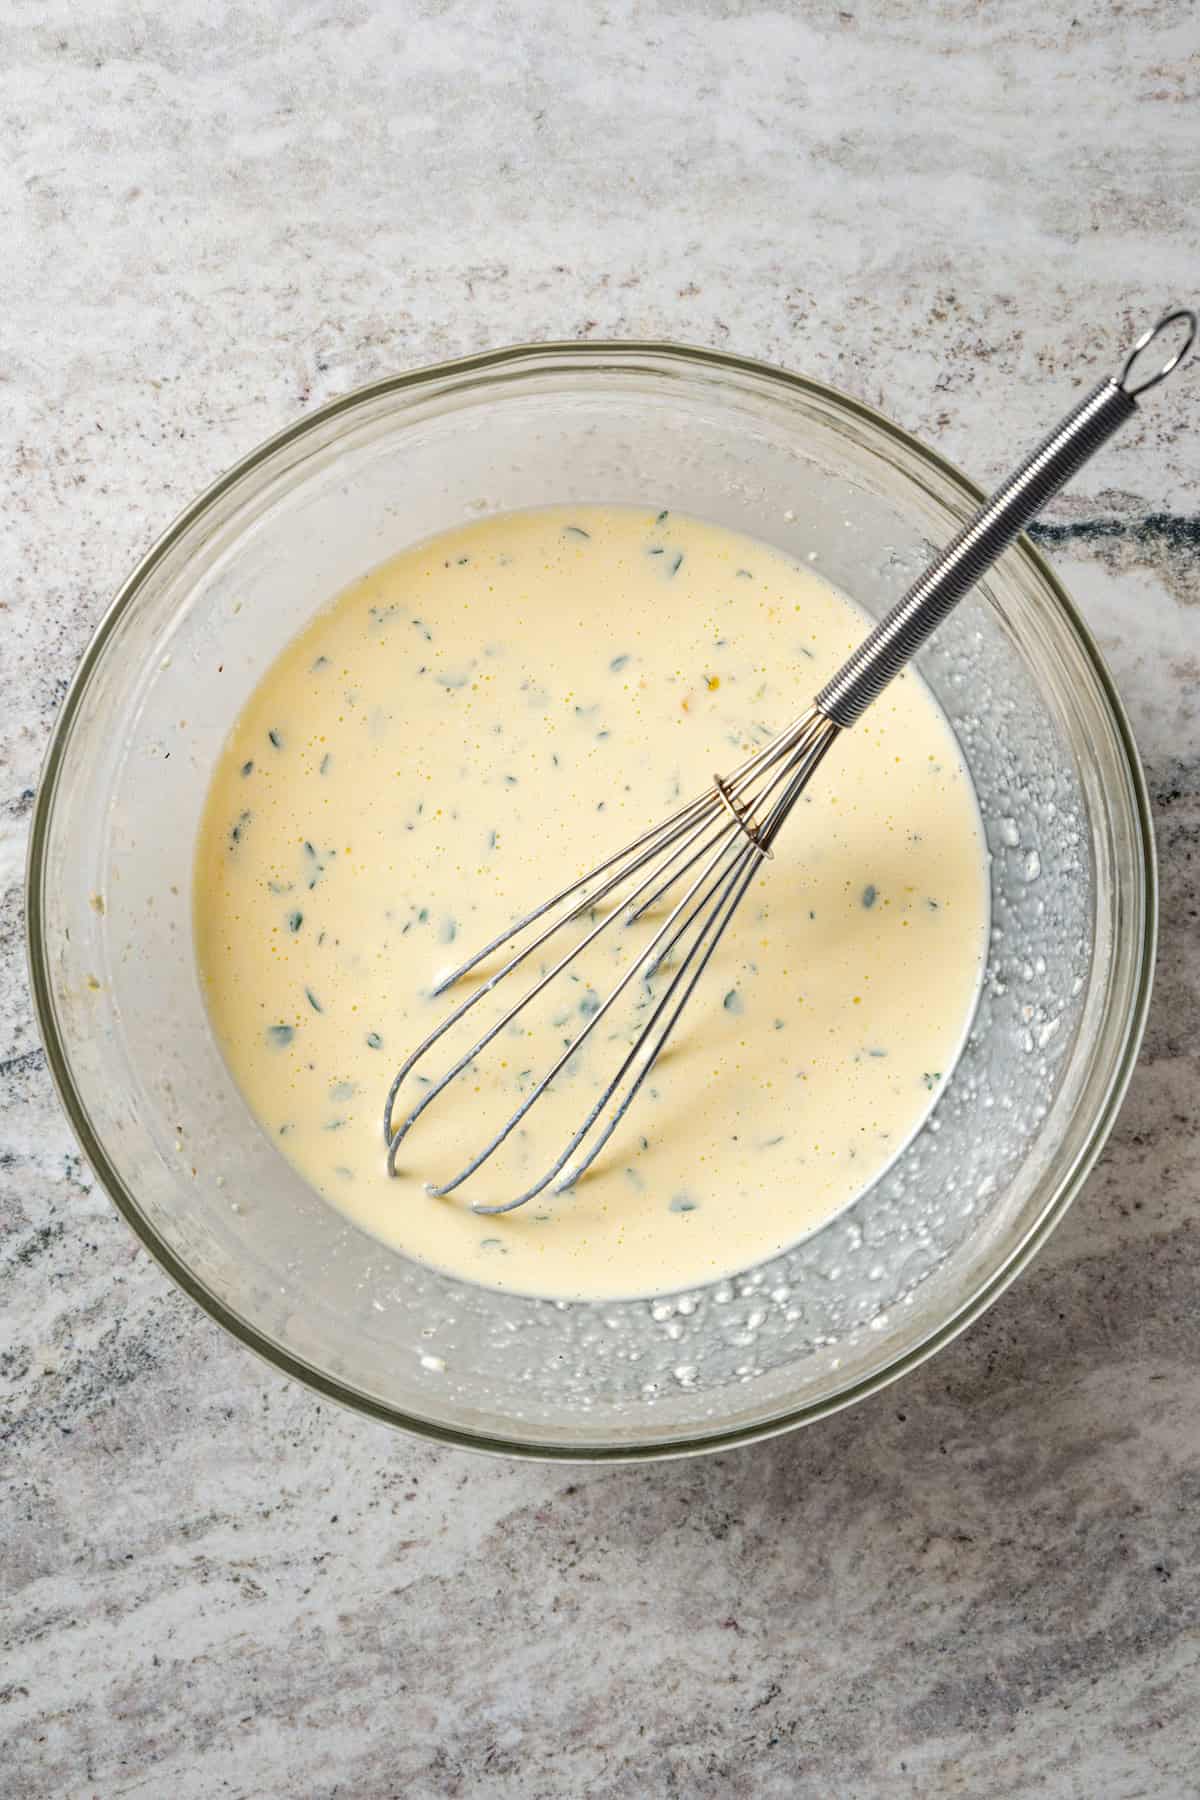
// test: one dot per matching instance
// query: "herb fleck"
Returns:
(295, 921)
(618, 663)
(248, 767)
(312, 1000)
(734, 1002)
(869, 895)
(276, 738)
(681, 1203)
(326, 763)
(677, 564)
(575, 531)
(374, 1041)
(280, 1035)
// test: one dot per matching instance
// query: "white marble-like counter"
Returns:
(983, 1581)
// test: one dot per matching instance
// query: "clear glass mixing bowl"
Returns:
(883, 1285)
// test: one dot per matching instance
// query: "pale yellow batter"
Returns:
(478, 721)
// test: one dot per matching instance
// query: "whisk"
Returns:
(705, 856)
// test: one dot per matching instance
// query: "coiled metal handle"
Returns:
(897, 638)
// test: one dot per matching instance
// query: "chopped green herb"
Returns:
(326, 763)
(322, 662)
(575, 531)
(295, 921)
(664, 514)
(275, 738)
(734, 1002)
(374, 1041)
(235, 831)
(449, 931)
(931, 1078)
(590, 1004)
(682, 1204)
(280, 1035)
(677, 564)
(312, 1000)
(876, 1053)
(615, 666)
(248, 767)
(869, 895)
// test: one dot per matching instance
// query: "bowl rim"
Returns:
(510, 357)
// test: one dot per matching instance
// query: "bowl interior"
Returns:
(110, 885)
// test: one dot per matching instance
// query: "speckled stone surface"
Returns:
(985, 1581)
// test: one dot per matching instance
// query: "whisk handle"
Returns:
(1019, 499)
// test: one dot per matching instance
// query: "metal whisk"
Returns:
(706, 855)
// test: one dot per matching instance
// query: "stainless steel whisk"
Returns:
(715, 844)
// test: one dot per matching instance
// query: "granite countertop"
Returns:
(983, 1581)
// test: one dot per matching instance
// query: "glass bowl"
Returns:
(888, 1281)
